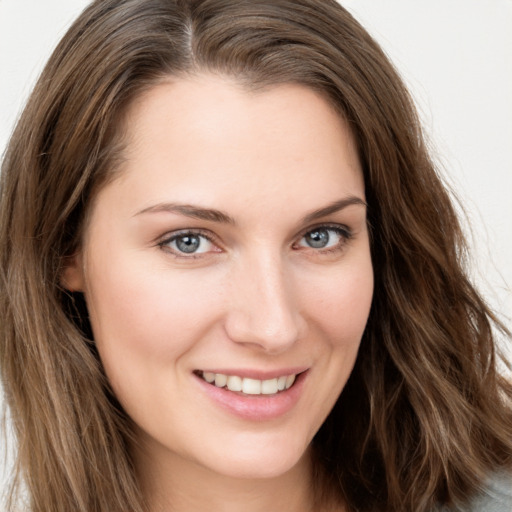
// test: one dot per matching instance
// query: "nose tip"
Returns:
(263, 312)
(273, 333)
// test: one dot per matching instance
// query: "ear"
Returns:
(72, 275)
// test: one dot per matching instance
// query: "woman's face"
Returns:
(232, 246)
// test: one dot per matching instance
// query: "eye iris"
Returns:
(318, 238)
(188, 243)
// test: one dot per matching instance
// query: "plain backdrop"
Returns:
(456, 57)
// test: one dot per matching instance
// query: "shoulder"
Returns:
(495, 497)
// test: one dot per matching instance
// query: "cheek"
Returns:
(148, 319)
(338, 307)
(339, 304)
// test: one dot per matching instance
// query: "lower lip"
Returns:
(255, 407)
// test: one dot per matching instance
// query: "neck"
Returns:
(175, 484)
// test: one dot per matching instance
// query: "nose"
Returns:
(263, 310)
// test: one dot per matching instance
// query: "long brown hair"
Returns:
(425, 416)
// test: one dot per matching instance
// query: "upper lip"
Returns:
(253, 373)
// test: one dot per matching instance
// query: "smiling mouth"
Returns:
(248, 386)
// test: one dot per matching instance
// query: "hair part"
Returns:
(429, 414)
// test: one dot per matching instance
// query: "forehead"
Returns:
(208, 139)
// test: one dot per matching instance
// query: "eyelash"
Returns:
(164, 244)
(344, 232)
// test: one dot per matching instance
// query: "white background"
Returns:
(455, 55)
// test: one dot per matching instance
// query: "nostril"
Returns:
(268, 331)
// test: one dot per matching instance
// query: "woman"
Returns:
(231, 277)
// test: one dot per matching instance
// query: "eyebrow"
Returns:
(189, 210)
(333, 207)
(213, 215)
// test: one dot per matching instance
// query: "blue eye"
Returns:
(324, 238)
(188, 243)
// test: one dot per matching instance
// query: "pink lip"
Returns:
(255, 407)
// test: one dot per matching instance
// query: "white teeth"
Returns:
(234, 383)
(289, 381)
(269, 387)
(220, 380)
(209, 377)
(250, 386)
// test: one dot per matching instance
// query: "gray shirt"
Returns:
(496, 497)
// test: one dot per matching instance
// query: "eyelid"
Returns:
(164, 241)
(342, 229)
(345, 232)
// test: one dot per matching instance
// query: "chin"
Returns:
(258, 461)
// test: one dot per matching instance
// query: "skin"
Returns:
(256, 296)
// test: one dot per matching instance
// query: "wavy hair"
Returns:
(429, 414)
